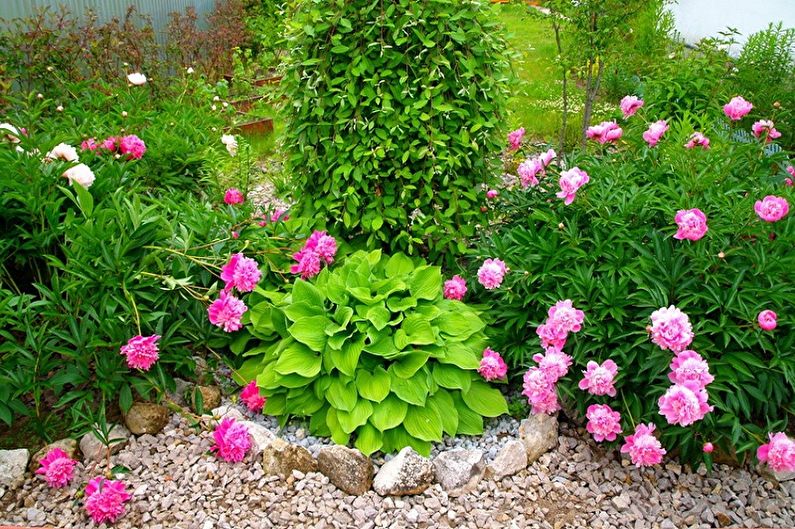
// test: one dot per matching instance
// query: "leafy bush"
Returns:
(612, 253)
(392, 144)
(370, 349)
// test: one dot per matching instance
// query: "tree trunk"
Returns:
(565, 93)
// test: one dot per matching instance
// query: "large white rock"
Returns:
(510, 460)
(12, 468)
(261, 436)
(458, 471)
(406, 473)
(539, 433)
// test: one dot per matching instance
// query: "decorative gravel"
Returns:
(177, 483)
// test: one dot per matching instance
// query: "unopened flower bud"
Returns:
(776, 104)
(59, 108)
(124, 113)
(214, 107)
(39, 96)
(561, 226)
(50, 68)
(721, 255)
(225, 104)
(216, 98)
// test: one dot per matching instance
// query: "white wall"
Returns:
(696, 19)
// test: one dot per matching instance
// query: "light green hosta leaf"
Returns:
(341, 394)
(400, 303)
(389, 286)
(350, 420)
(443, 403)
(337, 433)
(418, 330)
(382, 346)
(249, 370)
(409, 364)
(398, 438)
(317, 423)
(378, 316)
(485, 400)
(374, 386)
(296, 311)
(452, 377)
(398, 265)
(336, 291)
(311, 332)
(306, 292)
(343, 315)
(335, 342)
(423, 423)
(298, 359)
(426, 282)
(389, 413)
(459, 325)
(347, 359)
(428, 311)
(469, 422)
(302, 403)
(368, 439)
(461, 355)
(275, 405)
(413, 390)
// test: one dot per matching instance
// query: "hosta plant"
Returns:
(372, 353)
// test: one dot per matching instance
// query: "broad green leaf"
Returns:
(426, 282)
(469, 422)
(275, 405)
(302, 309)
(311, 332)
(418, 330)
(443, 403)
(398, 304)
(398, 438)
(337, 433)
(317, 423)
(413, 390)
(342, 395)
(350, 420)
(452, 377)
(374, 386)
(306, 292)
(299, 360)
(398, 265)
(389, 413)
(423, 423)
(485, 400)
(347, 359)
(302, 402)
(378, 316)
(460, 355)
(368, 439)
(408, 365)
(461, 324)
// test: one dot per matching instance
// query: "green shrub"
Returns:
(370, 349)
(391, 145)
(612, 253)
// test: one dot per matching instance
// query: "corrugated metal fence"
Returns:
(158, 10)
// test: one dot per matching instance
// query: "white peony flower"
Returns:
(189, 70)
(231, 144)
(136, 79)
(82, 174)
(63, 151)
(11, 132)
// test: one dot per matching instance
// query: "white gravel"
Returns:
(179, 484)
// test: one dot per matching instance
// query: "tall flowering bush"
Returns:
(679, 253)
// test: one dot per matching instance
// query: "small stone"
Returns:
(146, 417)
(406, 473)
(261, 436)
(281, 458)
(226, 411)
(347, 468)
(510, 460)
(621, 502)
(412, 516)
(12, 467)
(723, 519)
(772, 475)
(458, 471)
(69, 446)
(667, 524)
(211, 397)
(94, 450)
(539, 433)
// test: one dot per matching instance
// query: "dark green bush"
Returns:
(612, 253)
(394, 112)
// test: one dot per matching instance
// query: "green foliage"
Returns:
(372, 353)
(612, 253)
(391, 144)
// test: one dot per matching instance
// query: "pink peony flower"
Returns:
(141, 351)
(643, 448)
(697, 140)
(251, 397)
(57, 468)
(528, 170)
(708, 448)
(89, 145)
(492, 194)
(241, 273)
(536, 384)
(671, 329)
(552, 335)
(132, 146)
(105, 499)
(689, 366)
(232, 440)
(63, 152)
(767, 320)
(692, 224)
(547, 157)
(308, 265)
(603, 422)
(570, 181)
(566, 316)
(791, 171)
(737, 108)
(226, 311)
(546, 403)
(491, 273)
(492, 366)
(598, 379)
(110, 144)
(81, 174)
(554, 363)
(455, 288)
(655, 132)
(235, 235)
(765, 128)
(515, 139)
(233, 196)
(779, 453)
(319, 247)
(605, 132)
(771, 208)
(684, 404)
(629, 105)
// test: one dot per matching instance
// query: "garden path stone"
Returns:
(510, 460)
(459, 470)
(281, 458)
(67, 445)
(778, 477)
(12, 467)
(93, 449)
(405, 474)
(146, 417)
(539, 433)
(347, 468)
